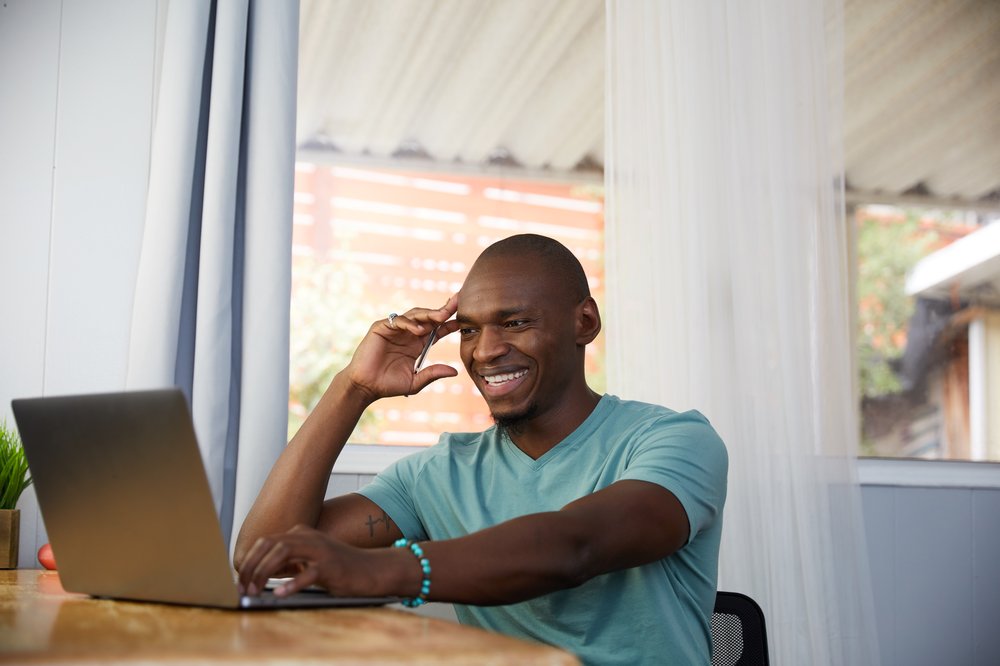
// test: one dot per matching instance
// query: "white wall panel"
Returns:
(29, 52)
(985, 576)
(107, 59)
(29, 61)
(933, 554)
(76, 80)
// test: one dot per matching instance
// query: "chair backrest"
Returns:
(738, 634)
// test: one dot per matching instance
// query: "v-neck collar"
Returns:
(601, 412)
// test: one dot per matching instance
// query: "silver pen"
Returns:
(427, 347)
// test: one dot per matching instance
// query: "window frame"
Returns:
(880, 470)
(371, 458)
(366, 459)
(917, 472)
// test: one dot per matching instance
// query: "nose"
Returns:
(490, 345)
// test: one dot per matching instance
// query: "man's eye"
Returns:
(516, 323)
(466, 331)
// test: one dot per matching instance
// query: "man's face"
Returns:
(518, 337)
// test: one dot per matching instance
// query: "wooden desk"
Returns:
(40, 623)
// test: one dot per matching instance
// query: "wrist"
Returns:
(399, 573)
(424, 570)
(346, 394)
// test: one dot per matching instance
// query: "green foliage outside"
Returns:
(887, 251)
(329, 317)
(13, 468)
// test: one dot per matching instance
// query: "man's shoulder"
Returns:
(450, 446)
(648, 426)
(644, 414)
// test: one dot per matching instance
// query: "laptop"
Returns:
(127, 505)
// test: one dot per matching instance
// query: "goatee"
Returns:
(513, 424)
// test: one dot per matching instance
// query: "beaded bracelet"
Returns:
(425, 567)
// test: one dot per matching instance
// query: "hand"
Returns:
(310, 557)
(382, 365)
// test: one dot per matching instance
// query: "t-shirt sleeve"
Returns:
(686, 456)
(390, 490)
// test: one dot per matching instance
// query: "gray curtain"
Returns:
(214, 276)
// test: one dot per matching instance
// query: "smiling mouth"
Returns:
(501, 379)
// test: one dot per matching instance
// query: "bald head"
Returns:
(554, 260)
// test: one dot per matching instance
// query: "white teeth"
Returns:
(493, 380)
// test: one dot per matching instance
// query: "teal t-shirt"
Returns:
(658, 613)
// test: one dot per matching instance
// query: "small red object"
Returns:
(46, 557)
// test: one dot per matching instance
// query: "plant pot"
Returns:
(10, 530)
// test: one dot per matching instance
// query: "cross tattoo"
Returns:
(373, 521)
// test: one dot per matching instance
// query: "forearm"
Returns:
(625, 525)
(295, 488)
(628, 524)
(514, 561)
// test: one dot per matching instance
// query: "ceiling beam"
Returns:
(989, 204)
(498, 170)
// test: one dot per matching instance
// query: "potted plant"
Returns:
(13, 480)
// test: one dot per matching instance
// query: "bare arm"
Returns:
(293, 493)
(294, 490)
(627, 524)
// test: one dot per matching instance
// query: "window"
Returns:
(370, 241)
(929, 333)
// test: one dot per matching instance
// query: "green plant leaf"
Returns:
(14, 476)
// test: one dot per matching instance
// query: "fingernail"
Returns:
(252, 590)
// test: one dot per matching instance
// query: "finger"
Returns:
(308, 576)
(250, 564)
(449, 308)
(298, 546)
(447, 328)
(411, 321)
(407, 323)
(275, 559)
(287, 555)
(431, 374)
(446, 311)
(435, 316)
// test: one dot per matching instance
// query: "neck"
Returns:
(537, 436)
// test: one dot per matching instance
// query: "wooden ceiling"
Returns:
(521, 82)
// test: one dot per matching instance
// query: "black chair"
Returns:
(738, 634)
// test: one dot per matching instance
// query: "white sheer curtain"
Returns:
(212, 294)
(728, 289)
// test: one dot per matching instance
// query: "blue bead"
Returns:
(425, 566)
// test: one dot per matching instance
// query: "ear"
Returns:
(588, 321)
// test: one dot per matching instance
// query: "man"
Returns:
(579, 520)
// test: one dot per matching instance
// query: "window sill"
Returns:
(370, 458)
(928, 473)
